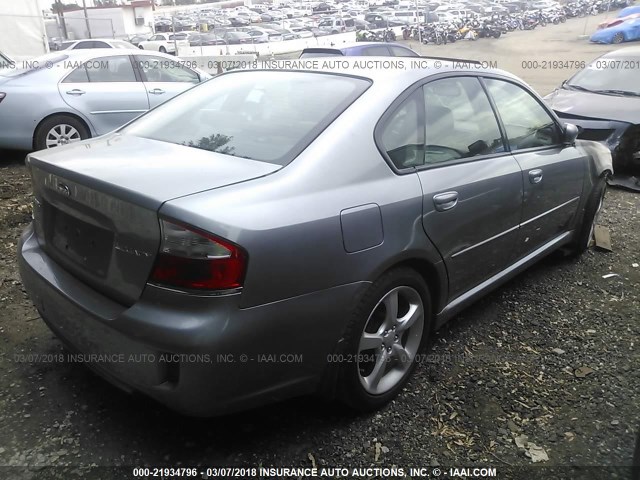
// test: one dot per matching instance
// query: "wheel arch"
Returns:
(435, 276)
(62, 113)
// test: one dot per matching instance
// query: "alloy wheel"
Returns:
(390, 340)
(62, 134)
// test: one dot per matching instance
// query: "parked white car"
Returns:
(253, 17)
(336, 25)
(95, 43)
(408, 16)
(303, 10)
(161, 42)
(447, 7)
(302, 32)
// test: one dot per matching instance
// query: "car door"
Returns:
(472, 187)
(553, 173)
(164, 78)
(106, 91)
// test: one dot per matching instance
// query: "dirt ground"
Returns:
(552, 356)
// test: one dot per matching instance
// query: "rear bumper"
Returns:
(199, 355)
(16, 130)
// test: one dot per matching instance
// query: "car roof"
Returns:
(624, 52)
(401, 72)
(89, 53)
(97, 40)
(351, 46)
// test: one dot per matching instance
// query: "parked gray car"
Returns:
(275, 233)
(69, 96)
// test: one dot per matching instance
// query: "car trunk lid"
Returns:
(96, 203)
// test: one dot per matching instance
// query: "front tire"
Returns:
(59, 130)
(584, 234)
(163, 50)
(618, 38)
(382, 340)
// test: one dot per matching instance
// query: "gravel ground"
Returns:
(549, 360)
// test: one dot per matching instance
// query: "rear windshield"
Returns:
(270, 116)
(28, 66)
(328, 52)
(122, 45)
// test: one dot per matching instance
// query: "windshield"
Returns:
(28, 66)
(609, 75)
(261, 115)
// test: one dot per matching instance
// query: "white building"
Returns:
(22, 32)
(118, 21)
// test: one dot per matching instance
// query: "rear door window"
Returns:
(107, 69)
(402, 135)
(375, 51)
(402, 52)
(83, 45)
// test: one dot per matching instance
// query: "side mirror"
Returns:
(570, 133)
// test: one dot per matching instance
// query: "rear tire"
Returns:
(383, 337)
(59, 130)
(163, 50)
(583, 235)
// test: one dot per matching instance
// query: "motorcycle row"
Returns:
(386, 35)
(494, 26)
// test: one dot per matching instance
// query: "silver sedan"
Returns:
(69, 96)
(276, 233)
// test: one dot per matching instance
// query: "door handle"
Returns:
(76, 92)
(445, 201)
(156, 91)
(535, 176)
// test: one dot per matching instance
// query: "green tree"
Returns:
(214, 143)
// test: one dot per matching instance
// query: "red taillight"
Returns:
(195, 260)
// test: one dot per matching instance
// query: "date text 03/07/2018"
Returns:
(264, 473)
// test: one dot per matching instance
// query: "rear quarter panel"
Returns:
(289, 221)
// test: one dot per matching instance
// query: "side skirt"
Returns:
(464, 300)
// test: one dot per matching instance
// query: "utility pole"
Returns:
(63, 25)
(419, 23)
(86, 17)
